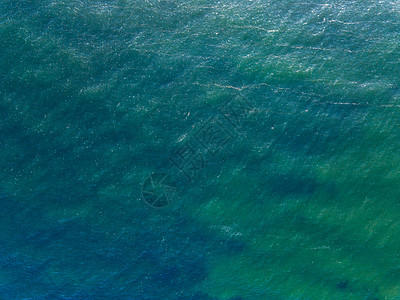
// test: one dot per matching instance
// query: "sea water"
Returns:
(199, 149)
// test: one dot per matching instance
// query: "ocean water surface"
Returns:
(199, 149)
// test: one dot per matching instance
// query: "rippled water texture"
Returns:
(294, 195)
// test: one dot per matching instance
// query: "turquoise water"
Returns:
(297, 197)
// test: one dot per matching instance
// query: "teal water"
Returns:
(302, 201)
